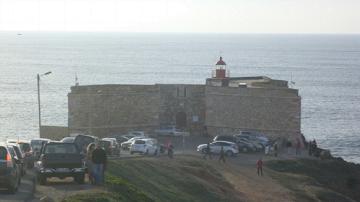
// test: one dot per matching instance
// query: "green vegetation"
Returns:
(314, 180)
(161, 179)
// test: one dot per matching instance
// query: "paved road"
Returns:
(25, 192)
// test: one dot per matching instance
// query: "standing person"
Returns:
(297, 147)
(207, 151)
(275, 149)
(314, 148)
(259, 165)
(222, 155)
(89, 162)
(99, 159)
(170, 151)
(288, 146)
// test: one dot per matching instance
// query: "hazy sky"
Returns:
(244, 16)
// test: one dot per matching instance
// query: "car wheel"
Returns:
(229, 153)
(156, 152)
(147, 152)
(80, 179)
(41, 179)
(203, 151)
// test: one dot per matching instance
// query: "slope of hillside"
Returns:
(162, 179)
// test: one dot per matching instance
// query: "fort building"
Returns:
(224, 105)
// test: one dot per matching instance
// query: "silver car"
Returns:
(230, 148)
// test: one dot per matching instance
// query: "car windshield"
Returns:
(60, 149)
(68, 139)
(3, 153)
(25, 147)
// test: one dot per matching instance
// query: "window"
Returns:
(60, 149)
(3, 153)
(25, 147)
(139, 142)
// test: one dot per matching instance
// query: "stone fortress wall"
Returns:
(273, 112)
(109, 109)
(224, 105)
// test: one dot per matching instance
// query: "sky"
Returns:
(214, 16)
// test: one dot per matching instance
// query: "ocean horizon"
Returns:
(324, 67)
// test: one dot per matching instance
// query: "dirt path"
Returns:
(241, 173)
(56, 189)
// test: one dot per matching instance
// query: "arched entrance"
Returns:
(180, 120)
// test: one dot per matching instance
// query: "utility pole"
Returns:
(38, 90)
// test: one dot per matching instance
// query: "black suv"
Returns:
(59, 159)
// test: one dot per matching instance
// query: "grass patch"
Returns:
(92, 197)
(324, 180)
(162, 180)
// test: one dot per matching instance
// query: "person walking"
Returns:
(99, 160)
(89, 162)
(222, 155)
(207, 151)
(259, 165)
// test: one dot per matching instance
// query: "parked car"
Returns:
(230, 148)
(10, 174)
(20, 156)
(114, 146)
(256, 144)
(243, 144)
(59, 159)
(36, 145)
(254, 137)
(228, 138)
(126, 145)
(170, 131)
(144, 146)
(27, 150)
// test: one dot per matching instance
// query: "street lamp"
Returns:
(38, 89)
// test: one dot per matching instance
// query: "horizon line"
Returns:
(173, 32)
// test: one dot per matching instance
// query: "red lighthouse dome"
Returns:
(221, 62)
(220, 71)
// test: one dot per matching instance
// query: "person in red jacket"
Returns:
(259, 165)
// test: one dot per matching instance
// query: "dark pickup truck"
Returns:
(59, 159)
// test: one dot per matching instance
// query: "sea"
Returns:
(324, 67)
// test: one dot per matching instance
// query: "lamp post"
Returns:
(38, 89)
